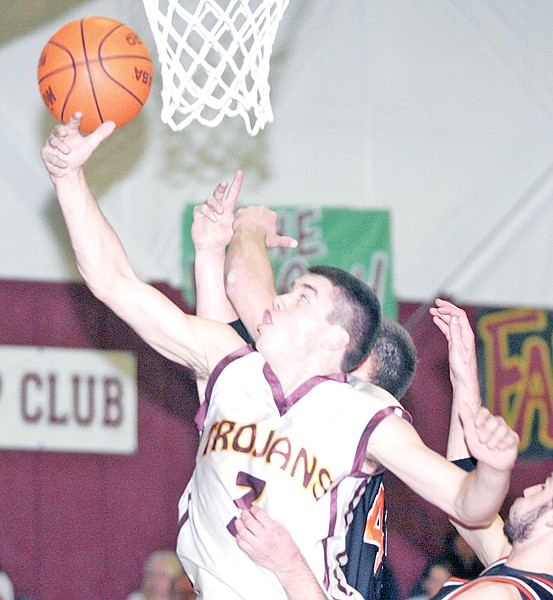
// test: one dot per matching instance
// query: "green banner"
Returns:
(357, 241)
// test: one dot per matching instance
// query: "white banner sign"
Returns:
(73, 400)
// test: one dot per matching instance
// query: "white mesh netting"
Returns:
(215, 59)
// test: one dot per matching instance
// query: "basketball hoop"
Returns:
(215, 59)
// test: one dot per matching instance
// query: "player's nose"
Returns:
(280, 301)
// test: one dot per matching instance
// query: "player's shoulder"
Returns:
(481, 588)
(380, 402)
(374, 391)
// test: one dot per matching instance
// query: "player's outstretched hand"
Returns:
(453, 322)
(212, 225)
(489, 439)
(265, 541)
(66, 150)
(261, 217)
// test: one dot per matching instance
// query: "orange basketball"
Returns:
(97, 66)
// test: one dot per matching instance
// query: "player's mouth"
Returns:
(266, 320)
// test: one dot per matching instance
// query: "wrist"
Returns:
(294, 570)
(249, 228)
(68, 178)
(210, 247)
(467, 394)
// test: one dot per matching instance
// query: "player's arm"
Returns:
(269, 544)
(489, 543)
(471, 498)
(104, 265)
(453, 322)
(211, 233)
(249, 279)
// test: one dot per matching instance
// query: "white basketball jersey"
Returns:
(299, 458)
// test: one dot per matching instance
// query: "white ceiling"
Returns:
(439, 111)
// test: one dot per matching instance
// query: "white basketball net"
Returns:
(215, 59)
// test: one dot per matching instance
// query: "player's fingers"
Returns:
(249, 520)
(281, 241)
(244, 545)
(214, 203)
(75, 121)
(512, 441)
(482, 417)
(244, 536)
(55, 161)
(487, 426)
(443, 313)
(204, 210)
(260, 515)
(234, 190)
(455, 329)
(495, 437)
(57, 141)
(436, 312)
(508, 441)
(446, 305)
(102, 132)
(240, 525)
(219, 192)
(441, 325)
(503, 436)
(59, 131)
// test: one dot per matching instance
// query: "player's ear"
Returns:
(337, 338)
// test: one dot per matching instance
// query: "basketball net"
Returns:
(215, 59)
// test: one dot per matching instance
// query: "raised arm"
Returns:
(211, 233)
(471, 498)
(104, 265)
(249, 279)
(489, 543)
(453, 322)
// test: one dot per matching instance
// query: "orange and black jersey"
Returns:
(531, 586)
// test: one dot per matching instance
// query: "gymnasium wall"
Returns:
(80, 525)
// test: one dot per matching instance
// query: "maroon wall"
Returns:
(79, 525)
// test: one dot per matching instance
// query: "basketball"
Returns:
(97, 66)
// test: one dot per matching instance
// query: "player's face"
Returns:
(539, 493)
(158, 579)
(298, 319)
(435, 579)
(535, 502)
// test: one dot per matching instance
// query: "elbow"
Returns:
(472, 520)
(230, 284)
(481, 523)
(106, 287)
